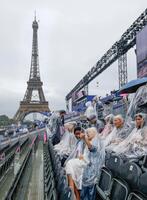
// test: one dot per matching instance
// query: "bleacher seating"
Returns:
(123, 179)
(56, 186)
(120, 179)
(49, 184)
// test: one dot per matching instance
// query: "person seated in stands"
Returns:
(90, 109)
(108, 126)
(96, 157)
(62, 113)
(68, 141)
(79, 146)
(136, 143)
(118, 134)
(94, 122)
(58, 127)
(52, 124)
(75, 166)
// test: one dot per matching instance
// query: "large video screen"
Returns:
(78, 95)
(141, 47)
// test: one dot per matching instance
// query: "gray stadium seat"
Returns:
(143, 183)
(144, 164)
(104, 182)
(131, 173)
(114, 163)
(119, 190)
(136, 196)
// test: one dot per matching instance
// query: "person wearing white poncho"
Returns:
(108, 126)
(68, 141)
(75, 167)
(96, 157)
(136, 143)
(90, 109)
(118, 133)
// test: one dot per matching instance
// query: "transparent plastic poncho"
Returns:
(66, 145)
(53, 124)
(108, 126)
(53, 121)
(138, 103)
(96, 158)
(90, 109)
(107, 109)
(135, 145)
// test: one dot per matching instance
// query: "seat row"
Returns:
(49, 183)
(60, 184)
(123, 180)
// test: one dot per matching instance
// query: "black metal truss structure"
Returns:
(122, 70)
(127, 41)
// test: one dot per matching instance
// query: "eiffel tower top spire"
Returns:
(35, 15)
(34, 72)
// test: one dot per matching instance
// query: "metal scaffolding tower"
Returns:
(122, 70)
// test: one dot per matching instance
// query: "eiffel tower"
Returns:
(34, 99)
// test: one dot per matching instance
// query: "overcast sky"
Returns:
(73, 35)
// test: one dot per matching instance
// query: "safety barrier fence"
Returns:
(19, 186)
(5, 165)
(9, 156)
(22, 146)
(4, 149)
(8, 150)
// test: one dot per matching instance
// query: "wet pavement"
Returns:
(35, 189)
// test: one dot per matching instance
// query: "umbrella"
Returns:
(132, 86)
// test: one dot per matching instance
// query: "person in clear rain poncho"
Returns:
(135, 145)
(75, 167)
(57, 126)
(90, 109)
(96, 157)
(94, 122)
(68, 141)
(108, 126)
(139, 102)
(52, 124)
(79, 146)
(118, 134)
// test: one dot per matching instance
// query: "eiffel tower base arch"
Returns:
(27, 108)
